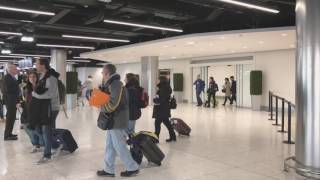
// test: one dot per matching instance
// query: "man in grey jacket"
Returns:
(116, 137)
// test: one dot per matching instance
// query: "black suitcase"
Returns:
(151, 151)
(65, 138)
(180, 126)
(145, 143)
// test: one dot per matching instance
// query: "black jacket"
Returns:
(134, 102)
(213, 87)
(11, 90)
(161, 109)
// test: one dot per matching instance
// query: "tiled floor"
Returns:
(226, 144)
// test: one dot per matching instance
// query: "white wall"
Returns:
(278, 72)
(278, 69)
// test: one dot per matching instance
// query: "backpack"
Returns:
(62, 92)
(144, 98)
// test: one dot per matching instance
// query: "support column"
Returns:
(59, 62)
(308, 86)
(149, 74)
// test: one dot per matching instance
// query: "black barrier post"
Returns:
(289, 125)
(269, 101)
(282, 118)
(271, 107)
(277, 112)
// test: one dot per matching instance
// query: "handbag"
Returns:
(105, 121)
(173, 103)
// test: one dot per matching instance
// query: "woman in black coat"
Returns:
(161, 109)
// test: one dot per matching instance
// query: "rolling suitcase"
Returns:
(65, 138)
(180, 126)
(144, 144)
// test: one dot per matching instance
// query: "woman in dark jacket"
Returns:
(161, 109)
(35, 137)
(134, 90)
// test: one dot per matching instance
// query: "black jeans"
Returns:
(167, 123)
(213, 95)
(226, 99)
(233, 98)
(11, 118)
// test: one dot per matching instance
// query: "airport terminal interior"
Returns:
(234, 85)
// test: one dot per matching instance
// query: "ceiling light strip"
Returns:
(94, 38)
(84, 61)
(31, 55)
(12, 57)
(251, 6)
(65, 46)
(26, 10)
(1, 42)
(142, 25)
(10, 33)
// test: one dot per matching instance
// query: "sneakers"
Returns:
(58, 151)
(43, 160)
(103, 173)
(35, 149)
(11, 138)
(129, 173)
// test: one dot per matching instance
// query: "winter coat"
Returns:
(118, 103)
(200, 85)
(213, 87)
(134, 102)
(161, 109)
(234, 87)
(227, 87)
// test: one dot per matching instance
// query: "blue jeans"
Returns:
(199, 100)
(131, 127)
(35, 137)
(46, 132)
(116, 144)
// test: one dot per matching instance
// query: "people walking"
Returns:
(11, 94)
(233, 90)
(161, 108)
(88, 86)
(116, 140)
(227, 91)
(212, 90)
(135, 93)
(40, 109)
(200, 85)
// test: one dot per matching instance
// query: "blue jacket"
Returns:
(200, 85)
(234, 87)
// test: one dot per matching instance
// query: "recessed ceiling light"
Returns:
(292, 46)
(211, 44)
(191, 43)
(10, 33)
(27, 39)
(1, 42)
(251, 6)
(27, 10)
(142, 25)
(5, 51)
(244, 47)
(222, 37)
(95, 38)
(261, 42)
(65, 46)
(32, 55)
(165, 46)
(284, 34)
(173, 57)
(124, 61)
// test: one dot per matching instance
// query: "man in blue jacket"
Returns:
(200, 85)
(233, 90)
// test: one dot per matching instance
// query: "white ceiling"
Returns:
(201, 45)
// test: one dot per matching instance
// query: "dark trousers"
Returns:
(10, 119)
(226, 99)
(233, 98)
(213, 96)
(199, 100)
(1, 109)
(167, 123)
(54, 115)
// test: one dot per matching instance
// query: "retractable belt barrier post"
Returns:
(282, 117)
(277, 112)
(289, 141)
(271, 106)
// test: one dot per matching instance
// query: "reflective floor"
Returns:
(226, 144)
